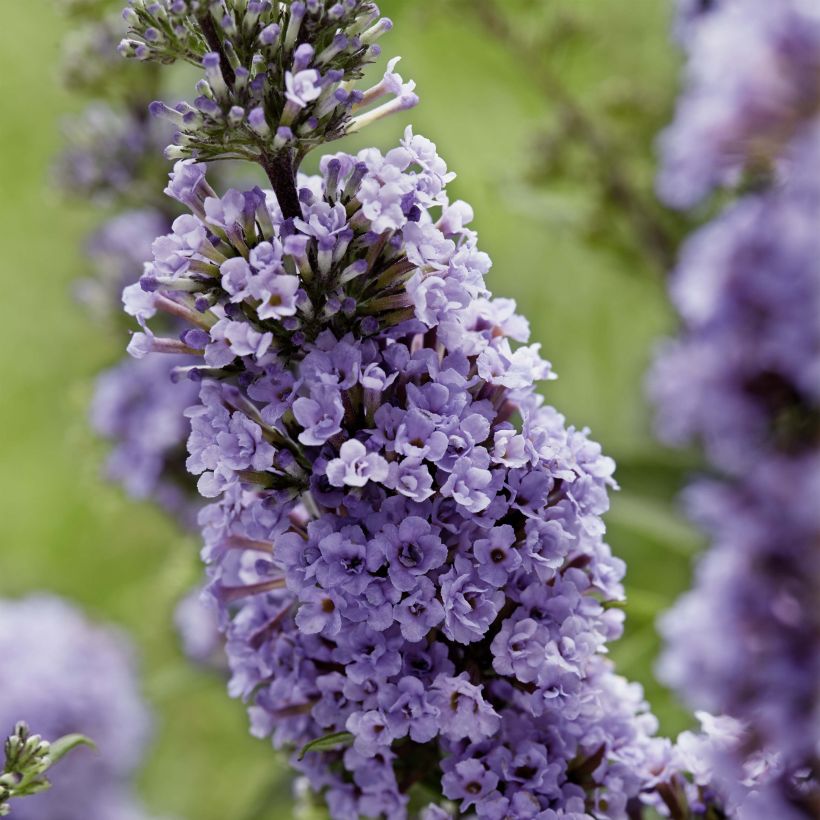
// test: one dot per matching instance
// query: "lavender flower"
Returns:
(64, 675)
(355, 466)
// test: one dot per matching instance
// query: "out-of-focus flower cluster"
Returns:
(64, 675)
(751, 83)
(743, 379)
(112, 156)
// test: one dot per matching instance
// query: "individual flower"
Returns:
(355, 466)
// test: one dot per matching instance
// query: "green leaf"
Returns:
(60, 748)
(330, 741)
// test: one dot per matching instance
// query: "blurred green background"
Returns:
(547, 112)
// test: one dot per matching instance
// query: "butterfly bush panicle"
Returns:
(404, 543)
(743, 379)
(64, 675)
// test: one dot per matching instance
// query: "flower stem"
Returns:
(282, 175)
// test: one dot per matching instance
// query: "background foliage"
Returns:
(547, 110)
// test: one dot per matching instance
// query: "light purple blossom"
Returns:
(470, 604)
(496, 555)
(464, 711)
(470, 483)
(355, 466)
(408, 712)
(302, 87)
(419, 612)
(320, 416)
(412, 549)
(411, 478)
(469, 782)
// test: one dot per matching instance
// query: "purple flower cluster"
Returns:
(751, 82)
(744, 375)
(277, 78)
(139, 408)
(743, 380)
(406, 545)
(110, 154)
(62, 674)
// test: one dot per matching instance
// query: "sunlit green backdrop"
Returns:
(561, 246)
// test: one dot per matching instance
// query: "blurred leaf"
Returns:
(60, 748)
(331, 741)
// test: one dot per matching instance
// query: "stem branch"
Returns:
(282, 176)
